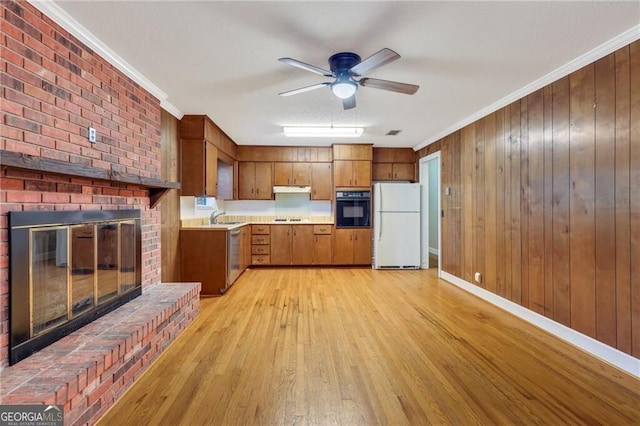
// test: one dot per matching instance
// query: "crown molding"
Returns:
(591, 56)
(62, 18)
(165, 105)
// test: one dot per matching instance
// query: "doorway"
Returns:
(430, 221)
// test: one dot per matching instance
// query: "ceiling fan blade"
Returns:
(349, 103)
(374, 61)
(392, 86)
(307, 67)
(303, 89)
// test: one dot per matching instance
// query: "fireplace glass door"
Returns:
(49, 280)
(82, 268)
(67, 269)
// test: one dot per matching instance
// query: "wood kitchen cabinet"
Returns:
(204, 259)
(298, 174)
(205, 255)
(260, 244)
(281, 245)
(321, 181)
(397, 171)
(199, 168)
(352, 165)
(255, 180)
(394, 164)
(352, 246)
(322, 244)
(352, 152)
(352, 173)
(292, 244)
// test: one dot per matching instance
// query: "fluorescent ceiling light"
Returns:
(323, 132)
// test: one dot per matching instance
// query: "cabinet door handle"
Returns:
(350, 237)
(395, 175)
(258, 191)
(356, 237)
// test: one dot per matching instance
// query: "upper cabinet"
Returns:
(203, 144)
(352, 165)
(394, 164)
(321, 181)
(298, 174)
(255, 181)
(199, 168)
(352, 173)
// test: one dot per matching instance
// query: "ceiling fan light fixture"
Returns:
(322, 132)
(344, 89)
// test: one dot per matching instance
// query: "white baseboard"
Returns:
(606, 353)
(434, 251)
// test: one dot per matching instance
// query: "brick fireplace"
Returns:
(53, 89)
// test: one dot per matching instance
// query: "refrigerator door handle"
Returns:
(379, 194)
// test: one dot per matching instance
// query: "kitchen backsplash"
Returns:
(283, 205)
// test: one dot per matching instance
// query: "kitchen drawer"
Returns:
(260, 249)
(260, 229)
(260, 259)
(260, 239)
(322, 229)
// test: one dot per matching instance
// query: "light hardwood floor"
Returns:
(363, 347)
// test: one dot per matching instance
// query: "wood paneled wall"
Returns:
(545, 201)
(170, 204)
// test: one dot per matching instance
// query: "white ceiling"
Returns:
(220, 58)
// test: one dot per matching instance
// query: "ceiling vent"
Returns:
(393, 132)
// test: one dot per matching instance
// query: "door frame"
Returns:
(424, 183)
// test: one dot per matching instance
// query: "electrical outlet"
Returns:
(478, 277)
(92, 135)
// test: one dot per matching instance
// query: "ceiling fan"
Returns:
(345, 68)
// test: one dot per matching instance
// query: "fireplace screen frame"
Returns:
(22, 226)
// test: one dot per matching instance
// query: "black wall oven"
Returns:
(353, 209)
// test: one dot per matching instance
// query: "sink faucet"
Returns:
(214, 216)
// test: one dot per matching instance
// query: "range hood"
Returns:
(291, 189)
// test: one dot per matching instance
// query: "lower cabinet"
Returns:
(301, 245)
(292, 244)
(205, 255)
(352, 247)
(322, 244)
(260, 244)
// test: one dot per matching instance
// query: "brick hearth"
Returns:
(89, 369)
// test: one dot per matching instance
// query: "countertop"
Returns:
(222, 226)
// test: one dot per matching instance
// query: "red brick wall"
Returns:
(53, 88)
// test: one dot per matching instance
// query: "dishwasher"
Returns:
(233, 256)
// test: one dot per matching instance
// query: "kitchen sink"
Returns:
(227, 223)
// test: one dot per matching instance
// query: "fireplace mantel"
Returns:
(157, 187)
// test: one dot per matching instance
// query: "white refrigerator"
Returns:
(396, 225)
